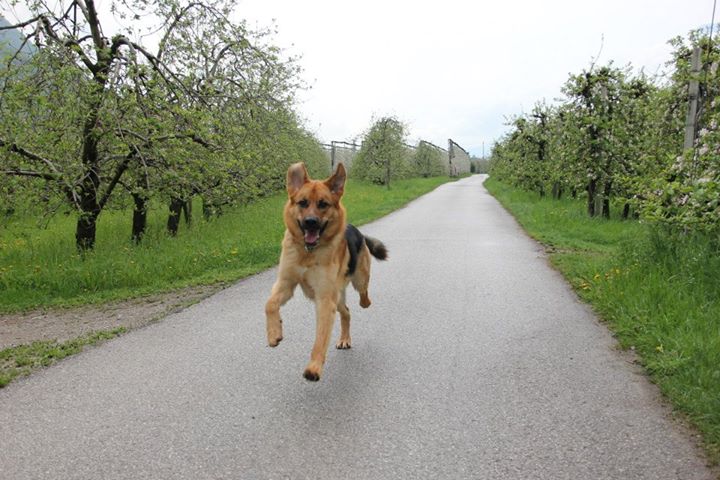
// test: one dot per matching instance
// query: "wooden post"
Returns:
(693, 91)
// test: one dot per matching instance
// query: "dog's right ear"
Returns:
(297, 176)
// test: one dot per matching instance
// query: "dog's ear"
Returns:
(297, 176)
(336, 183)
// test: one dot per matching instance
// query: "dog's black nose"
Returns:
(311, 223)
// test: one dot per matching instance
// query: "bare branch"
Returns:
(31, 173)
(219, 57)
(55, 175)
(189, 136)
(125, 131)
(15, 148)
(88, 9)
(22, 24)
(175, 136)
(121, 168)
(72, 44)
(17, 52)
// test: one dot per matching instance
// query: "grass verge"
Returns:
(22, 360)
(659, 293)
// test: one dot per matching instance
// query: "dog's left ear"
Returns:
(297, 176)
(336, 183)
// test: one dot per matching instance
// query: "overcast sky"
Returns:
(456, 69)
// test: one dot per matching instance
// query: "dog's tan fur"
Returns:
(320, 271)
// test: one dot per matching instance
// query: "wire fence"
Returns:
(455, 159)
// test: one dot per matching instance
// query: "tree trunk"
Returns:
(173, 222)
(626, 211)
(89, 205)
(606, 200)
(591, 191)
(556, 191)
(210, 210)
(85, 231)
(139, 217)
(187, 211)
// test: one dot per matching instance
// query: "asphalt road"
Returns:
(476, 361)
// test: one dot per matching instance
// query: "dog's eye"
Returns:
(303, 203)
(323, 204)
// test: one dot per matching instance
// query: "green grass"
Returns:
(659, 293)
(22, 360)
(40, 267)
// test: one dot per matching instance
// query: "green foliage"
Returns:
(656, 288)
(427, 161)
(524, 155)
(383, 156)
(617, 136)
(687, 197)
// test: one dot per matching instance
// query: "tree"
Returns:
(383, 155)
(427, 161)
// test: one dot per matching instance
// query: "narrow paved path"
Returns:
(476, 361)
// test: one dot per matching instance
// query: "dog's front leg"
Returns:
(326, 307)
(282, 291)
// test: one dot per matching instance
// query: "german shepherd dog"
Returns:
(321, 253)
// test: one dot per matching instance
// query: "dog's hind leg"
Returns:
(282, 291)
(344, 341)
(361, 278)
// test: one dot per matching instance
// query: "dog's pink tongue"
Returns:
(311, 237)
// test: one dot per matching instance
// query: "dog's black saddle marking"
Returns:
(355, 241)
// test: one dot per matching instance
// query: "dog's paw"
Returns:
(310, 375)
(275, 334)
(343, 344)
(312, 372)
(365, 300)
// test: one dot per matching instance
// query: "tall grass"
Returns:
(659, 293)
(40, 267)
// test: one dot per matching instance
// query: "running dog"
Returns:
(322, 253)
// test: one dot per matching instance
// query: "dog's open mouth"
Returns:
(312, 237)
(312, 231)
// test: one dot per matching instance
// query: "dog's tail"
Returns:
(377, 248)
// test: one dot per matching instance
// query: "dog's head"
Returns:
(313, 213)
